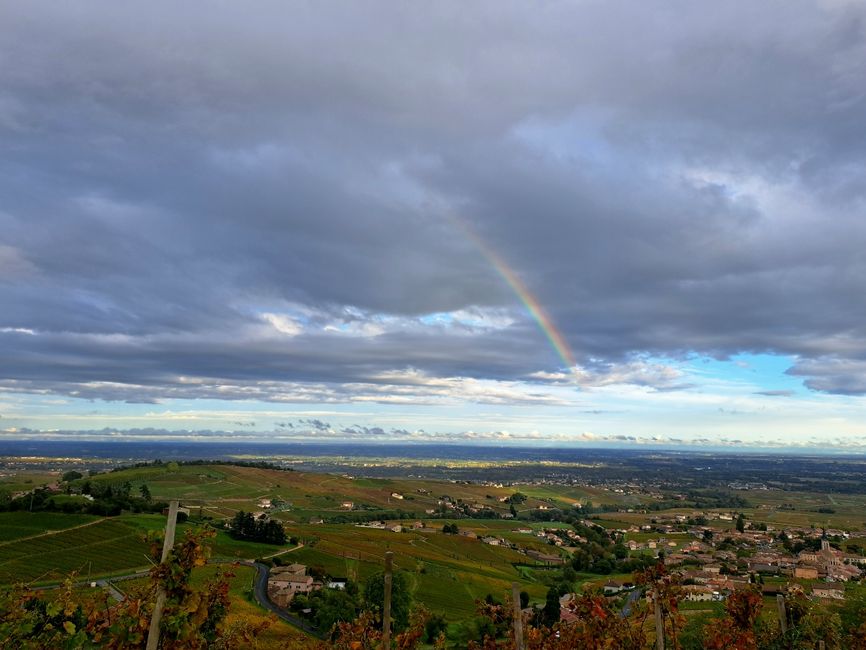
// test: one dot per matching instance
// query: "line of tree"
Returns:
(108, 500)
(257, 464)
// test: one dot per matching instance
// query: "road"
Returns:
(267, 557)
(633, 597)
(260, 591)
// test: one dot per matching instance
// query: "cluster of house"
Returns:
(418, 526)
(552, 535)
(446, 503)
(708, 582)
(286, 581)
(829, 564)
(268, 506)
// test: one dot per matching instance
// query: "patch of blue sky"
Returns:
(761, 373)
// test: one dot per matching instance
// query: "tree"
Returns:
(708, 536)
(741, 523)
(401, 598)
(737, 629)
(333, 606)
(145, 492)
(524, 599)
(244, 526)
(549, 615)
(434, 626)
(72, 475)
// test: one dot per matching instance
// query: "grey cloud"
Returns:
(168, 175)
(851, 444)
(833, 374)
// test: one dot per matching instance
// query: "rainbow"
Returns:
(542, 319)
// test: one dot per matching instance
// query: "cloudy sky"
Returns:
(570, 222)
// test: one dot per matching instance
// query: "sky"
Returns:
(588, 222)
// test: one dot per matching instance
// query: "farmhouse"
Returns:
(613, 587)
(284, 582)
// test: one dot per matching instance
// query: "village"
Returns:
(710, 561)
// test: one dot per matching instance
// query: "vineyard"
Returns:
(97, 548)
(17, 525)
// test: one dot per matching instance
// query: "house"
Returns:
(613, 587)
(347, 505)
(699, 593)
(544, 557)
(566, 609)
(773, 589)
(286, 581)
(337, 583)
(834, 590)
(396, 495)
(296, 568)
(762, 567)
(806, 572)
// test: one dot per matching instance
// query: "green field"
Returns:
(106, 546)
(17, 525)
(448, 572)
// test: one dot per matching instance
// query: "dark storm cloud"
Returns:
(668, 180)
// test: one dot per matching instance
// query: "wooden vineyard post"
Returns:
(783, 619)
(386, 609)
(660, 625)
(167, 544)
(518, 617)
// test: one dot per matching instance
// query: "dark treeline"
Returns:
(258, 464)
(107, 501)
